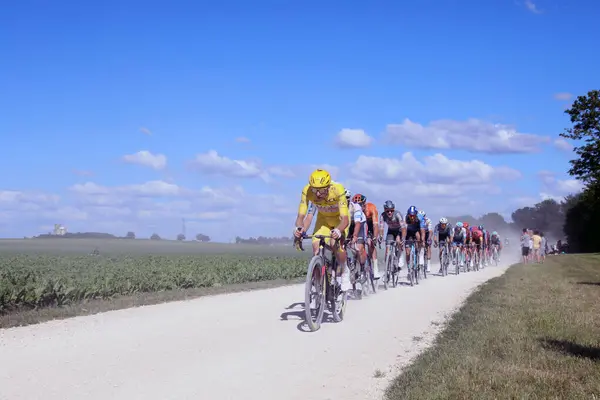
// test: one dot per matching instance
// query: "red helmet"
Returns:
(359, 198)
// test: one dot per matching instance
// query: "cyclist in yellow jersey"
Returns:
(328, 198)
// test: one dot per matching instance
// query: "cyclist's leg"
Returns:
(427, 250)
(418, 249)
(399, 254)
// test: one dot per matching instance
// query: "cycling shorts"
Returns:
(458, 240)
(324, 226)
(362, 233)
(392, 234)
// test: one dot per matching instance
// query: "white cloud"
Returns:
(558, 189)
(472, 135)
(242, 139)
(212, 163)
(146, 131)
(353, 138)
(562, 144)
(531, 6)
(441, 185)
(563, 96)
(147, 159)
(435, 169)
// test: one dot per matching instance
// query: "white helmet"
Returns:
(348, 193)
(443, 220)
(422, 213)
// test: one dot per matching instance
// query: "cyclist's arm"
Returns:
(302, 207)
(375, 223)
(312, 210)
(343, 207)
(381, 222)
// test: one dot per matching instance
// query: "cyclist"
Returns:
(459, 237)
(442, 233)
(426, 224)
(496, 242)
(484, 246)
(396, 227)
(373, 229)
(468, 243)
(328, 199)
(359, 231)
(414, 231)
(477, 240)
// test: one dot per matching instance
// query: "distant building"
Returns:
(59, 230)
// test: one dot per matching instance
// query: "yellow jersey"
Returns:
(334, 205)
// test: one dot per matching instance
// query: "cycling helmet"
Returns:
(494, 233)
(443, 220)
(466, 225)
(319, 179)
(422, 213)
(412, 210)
(389, 205)
(359, 198)
(480, 227)
(459, 224)
(348, 194)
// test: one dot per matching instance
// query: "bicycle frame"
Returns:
(321, 275)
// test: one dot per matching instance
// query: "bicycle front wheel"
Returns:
(314, 293)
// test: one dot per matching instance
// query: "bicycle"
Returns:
(444, 258)
(370, 274)
(457, 256)
(391, 261)
(476, 258)
(495, 255)
(358, 272)
(321, 276)
(413, 263)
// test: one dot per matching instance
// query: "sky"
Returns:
(122, 115)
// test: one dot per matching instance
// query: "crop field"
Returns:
(37, 273)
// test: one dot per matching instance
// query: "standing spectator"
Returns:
(536, 240)
(544, 248)
(525, 246)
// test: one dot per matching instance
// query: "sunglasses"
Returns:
(320, 191)
(389, 211)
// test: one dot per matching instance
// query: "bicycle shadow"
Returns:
(298, 313)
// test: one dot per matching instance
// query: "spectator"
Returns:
(544, 249)
(536, 240)
(525, 246)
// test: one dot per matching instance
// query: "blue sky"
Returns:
(274, 88)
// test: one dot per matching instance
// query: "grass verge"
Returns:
(532, 333)
(33, 316)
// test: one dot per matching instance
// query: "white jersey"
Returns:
(356, 213)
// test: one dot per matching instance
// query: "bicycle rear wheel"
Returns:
(315, 290)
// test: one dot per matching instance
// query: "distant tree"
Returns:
(130, 235)
(202, 238)
(493, 221)
(181, 237)
(154, 237)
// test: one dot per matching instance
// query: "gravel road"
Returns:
(233, 346)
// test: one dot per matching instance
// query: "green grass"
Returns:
(532, 333)
(46, 279)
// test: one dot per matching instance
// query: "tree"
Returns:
(155, 236)
(181, 237)
(130, 235)
(585, 115)
(583, 211)
(202, 238)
